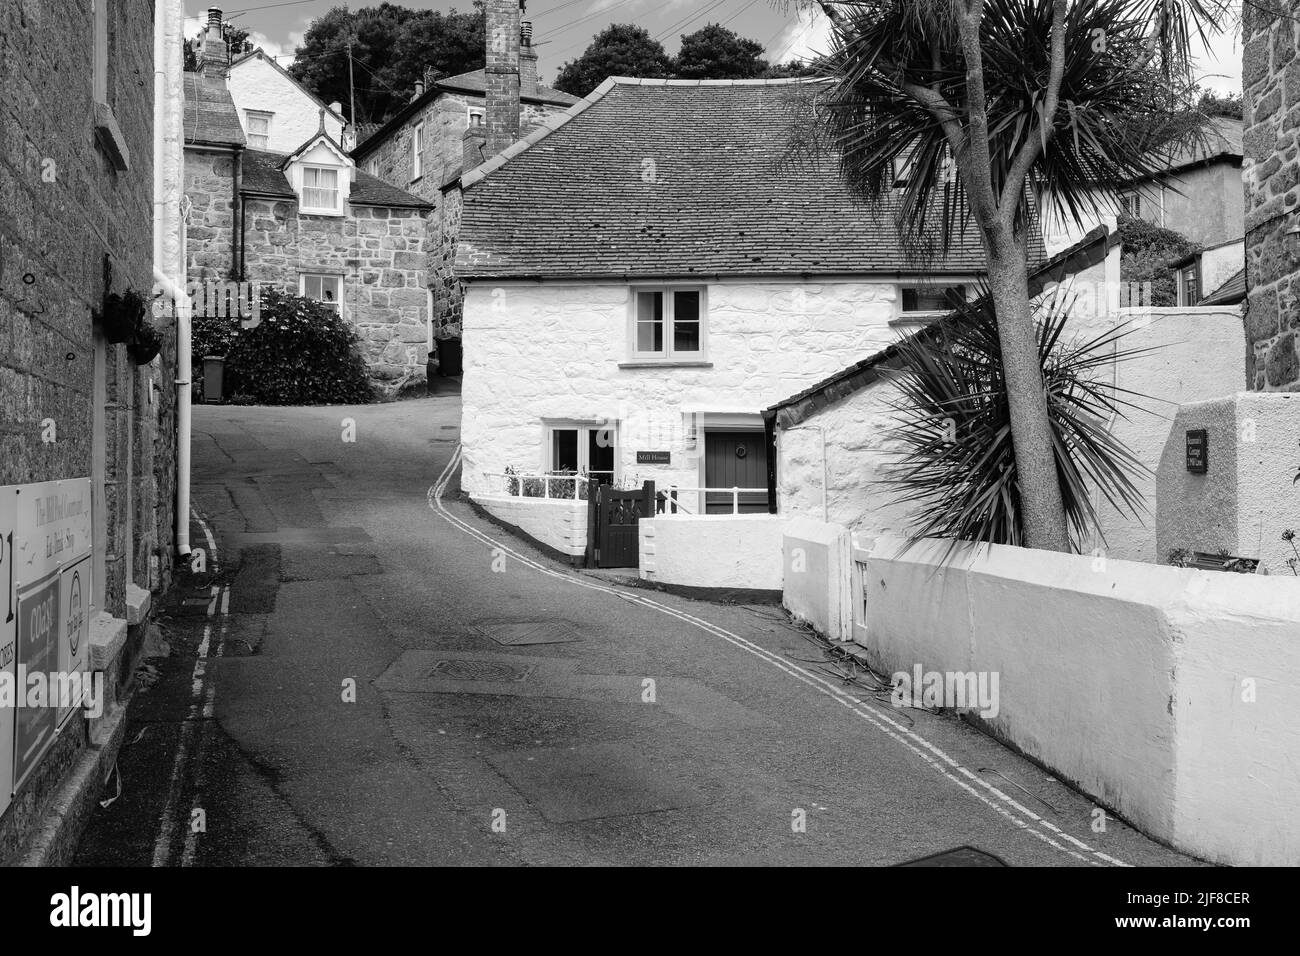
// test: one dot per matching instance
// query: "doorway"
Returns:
(735, 459)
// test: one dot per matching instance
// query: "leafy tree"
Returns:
(795, 68)
(621, 49)
(716, 53)
(449, 43)
(392, 46)
(988, 97)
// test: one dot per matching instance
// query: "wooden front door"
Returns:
(735, 460)
(617, 513)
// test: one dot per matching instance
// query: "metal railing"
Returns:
(670, 498)
(540, 484)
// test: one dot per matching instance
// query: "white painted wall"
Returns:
(561, 525)
(1248, 495)
(818, 565)
(1126, 680)
(256, 85)
(1220, 264)
(552, 351)
(712, 551)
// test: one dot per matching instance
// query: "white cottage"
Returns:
(277, 113)
(647, 272)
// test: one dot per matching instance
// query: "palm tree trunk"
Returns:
(1040, 489)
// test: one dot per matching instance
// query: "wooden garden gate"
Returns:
(612, 524)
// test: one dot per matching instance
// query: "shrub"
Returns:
(300, 353)
(1148, 251)
(957, 467)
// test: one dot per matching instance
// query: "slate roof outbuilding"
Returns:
(1232, 292)
(659, 178)
(209, 115)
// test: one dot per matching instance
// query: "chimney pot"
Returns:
(419, 90)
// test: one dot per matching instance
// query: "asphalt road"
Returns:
(366, 672)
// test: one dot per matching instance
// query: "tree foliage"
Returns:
(957, 465)
(716, 53)
(392, 46)
(621, 49)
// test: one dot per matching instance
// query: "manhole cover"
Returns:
(479, 671)
(515, 633)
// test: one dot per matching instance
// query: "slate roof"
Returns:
(474, 82)
(263, 176)
(576, 198)
(1231, 292)
(210, 117)
(1087, 252)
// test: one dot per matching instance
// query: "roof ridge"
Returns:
(667, 81)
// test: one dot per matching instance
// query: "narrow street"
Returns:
(368, 672)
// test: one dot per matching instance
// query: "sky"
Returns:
(563, 28)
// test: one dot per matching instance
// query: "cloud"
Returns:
(807, 38)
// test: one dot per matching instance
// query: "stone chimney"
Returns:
(502, 107)
(419, 90)
(214, 59)
(527, 61)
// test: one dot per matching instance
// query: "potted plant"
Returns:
(122, 316)
(145, 344)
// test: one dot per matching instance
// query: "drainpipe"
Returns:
(180, 301)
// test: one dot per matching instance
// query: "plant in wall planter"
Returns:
(122, 316)
(145, 345)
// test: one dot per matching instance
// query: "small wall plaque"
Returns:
(1198, 451)
(653, 458)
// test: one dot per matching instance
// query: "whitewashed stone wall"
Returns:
(256, 85)
(550, 351)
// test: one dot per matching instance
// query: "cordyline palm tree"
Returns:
(996, 101)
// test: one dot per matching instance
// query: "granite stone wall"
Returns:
(1271, 172)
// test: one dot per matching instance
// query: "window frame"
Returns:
(584, 428)
(668, 355)
(417, 151)
(1191, 271)
(249, 116)
(917, 317)
(303, 207)
(337, 305)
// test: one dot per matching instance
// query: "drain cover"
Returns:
(479, 670)
(515, 633)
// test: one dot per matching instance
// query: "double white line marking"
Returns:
(1001, 803)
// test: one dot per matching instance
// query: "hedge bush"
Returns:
(1148, 251)
(300, 353)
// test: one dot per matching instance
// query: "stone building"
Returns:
(89, 170)
(1271, 80)
(305, 220)
(451, 125)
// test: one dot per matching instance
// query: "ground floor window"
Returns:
(587, 449)
(325, 289)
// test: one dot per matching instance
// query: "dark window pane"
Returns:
(565, 453)
(686, 321)
(931, 298)
(600, 455)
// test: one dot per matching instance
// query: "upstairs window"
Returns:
(258, 126)
(1131, 204)
(320, 189)
(417, 152)
(325, 289)
(668, 324)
